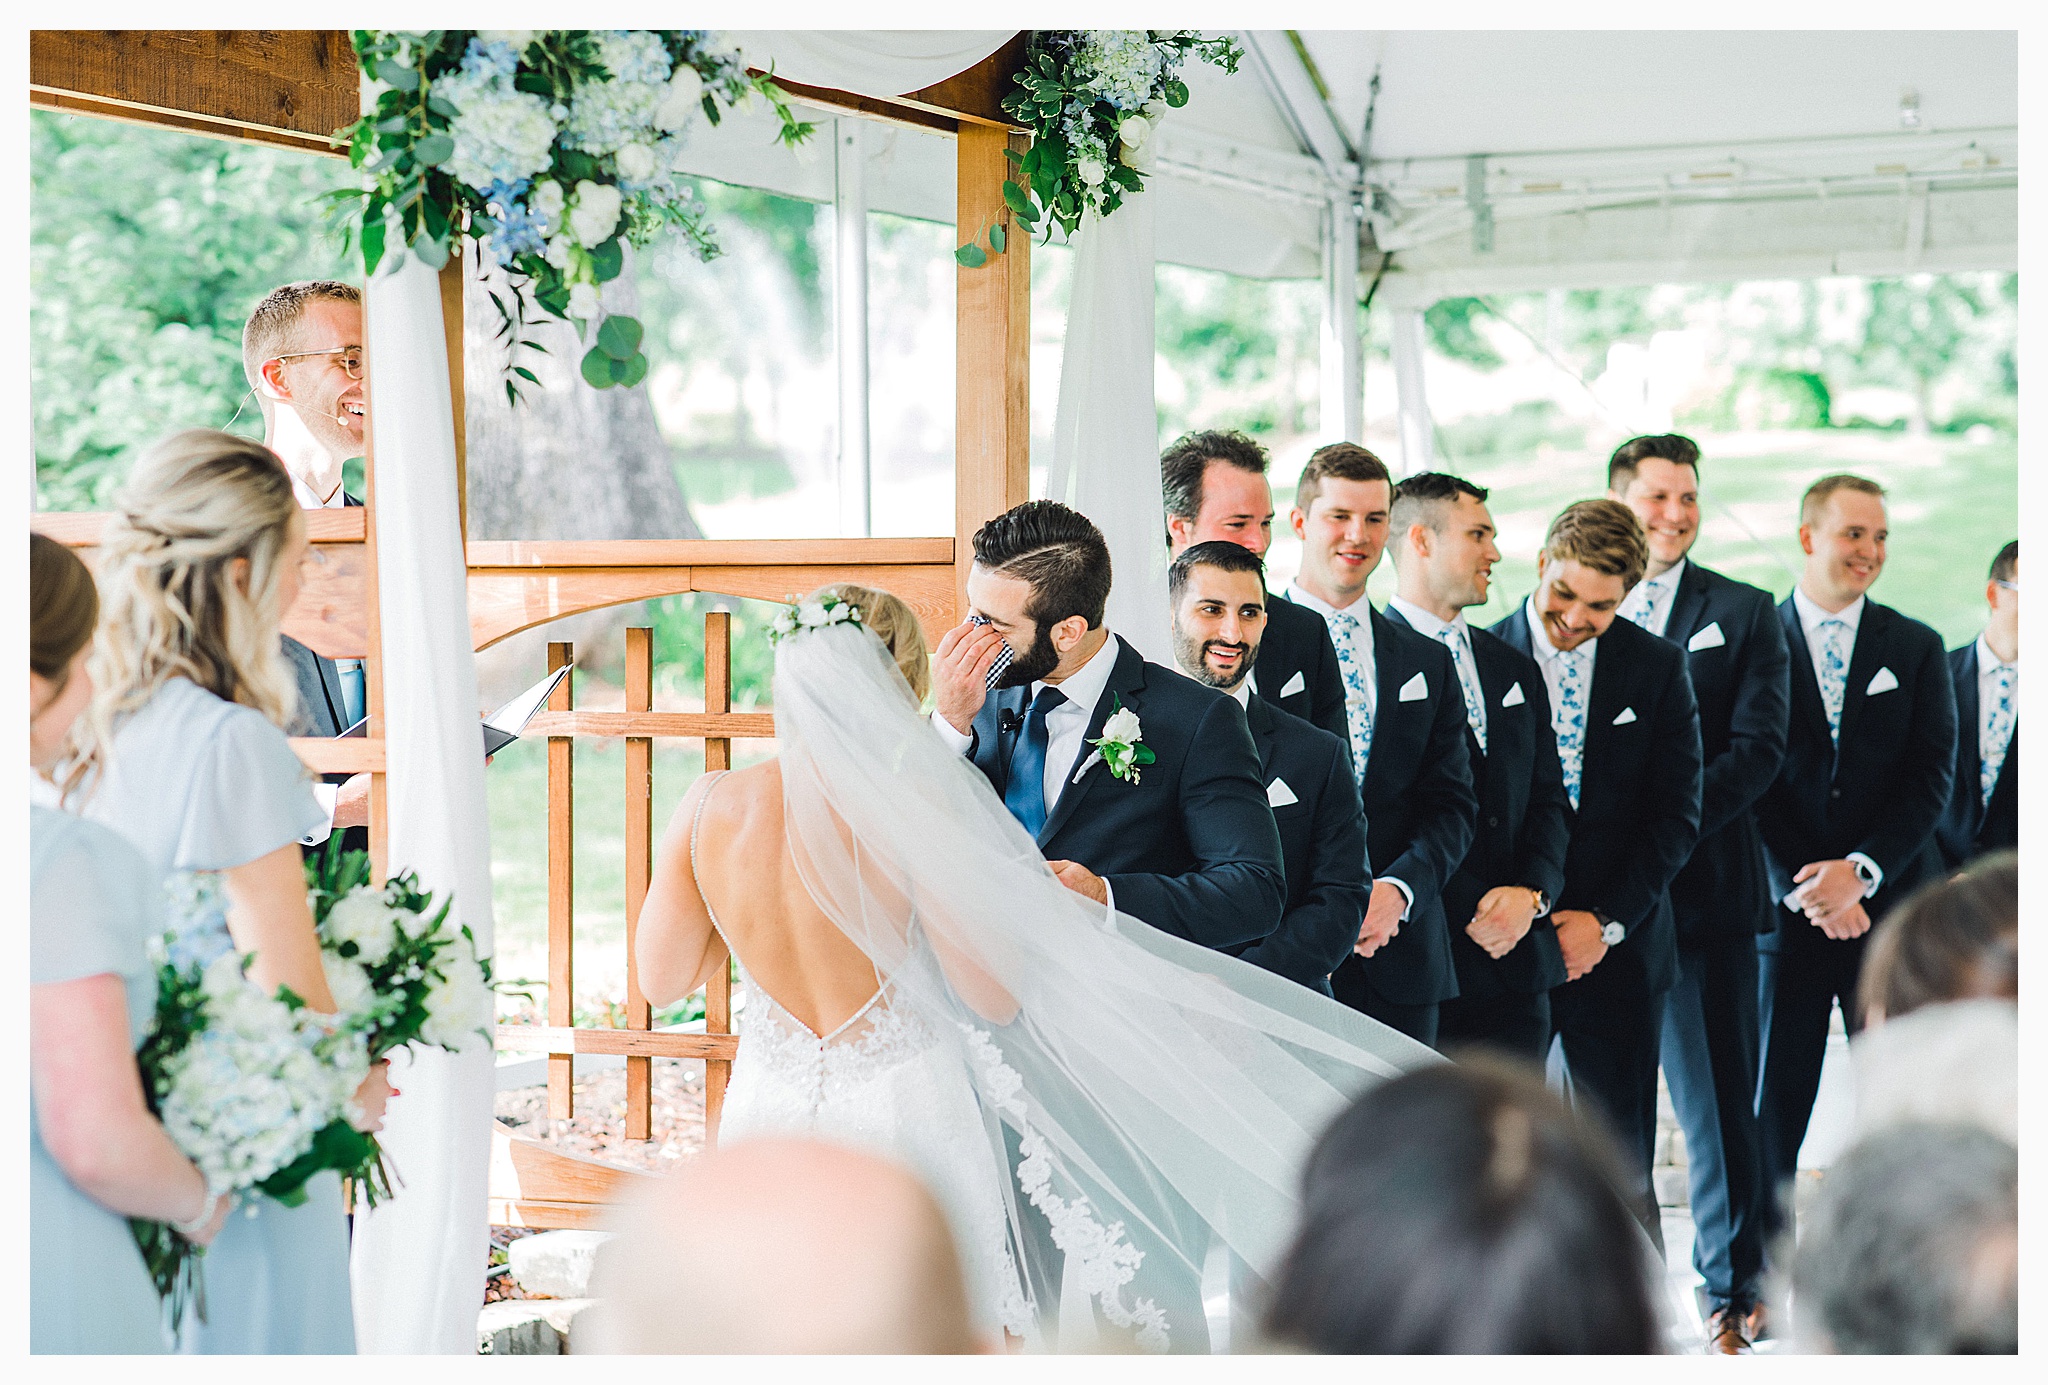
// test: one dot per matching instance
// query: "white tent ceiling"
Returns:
(1524, 160)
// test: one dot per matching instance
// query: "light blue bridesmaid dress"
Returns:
(92, 905)
(201, 784)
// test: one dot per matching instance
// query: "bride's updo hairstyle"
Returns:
(888, 618)
(196, 502)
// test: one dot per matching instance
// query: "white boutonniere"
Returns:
(1122, 745)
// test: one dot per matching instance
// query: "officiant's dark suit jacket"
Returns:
(1524, 826)
(1971, 827)
(1191, 847)
(1639, 798)
(1322, 837)
(1420, 812)
(322, 711)
(1297, 645)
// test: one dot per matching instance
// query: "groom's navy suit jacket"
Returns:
(1295, 649)
(1971, 826)
(1191, 847)
(1322, 835)
(1525, 824)
(1420, 810)
(1639, 794)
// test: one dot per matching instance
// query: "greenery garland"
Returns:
(552, 148)
(1093, 99)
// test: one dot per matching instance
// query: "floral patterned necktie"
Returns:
(1357, 700)
(1454, 639)
(1998, 729)
(1568, 719)
(1834, 673)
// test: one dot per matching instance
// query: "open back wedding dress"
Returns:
(1094, 1103)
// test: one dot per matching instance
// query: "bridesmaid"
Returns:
(197, 565)
(96, 1155)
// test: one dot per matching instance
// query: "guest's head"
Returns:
(198, 563)
(1041, 578)
(1952, 939)
(785, 1246)
(63, 607)
(2002, 595)
(1592, 555)
(1214, 486)
(1842, 531)
(1659, 478)
(1464, 1209)
(302, 351)
(1218, 590)
(1444, 548)
(1340, 515)
(888, 618)
(1912, 1247)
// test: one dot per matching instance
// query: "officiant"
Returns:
(302, 351)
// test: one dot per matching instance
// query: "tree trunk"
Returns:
(569, 462)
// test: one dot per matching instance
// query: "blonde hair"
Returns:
(1815, 501)
(1604, 535)
(889, 619)
(171, 608)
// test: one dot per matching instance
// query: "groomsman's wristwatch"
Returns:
(1540, 900)
(1611, 932)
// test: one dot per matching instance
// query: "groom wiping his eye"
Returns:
(1182, 840)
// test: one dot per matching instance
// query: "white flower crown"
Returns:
(813, 615)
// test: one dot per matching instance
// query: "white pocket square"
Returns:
(1294, 685)
(1709, 638)
(1514, 697)
(1415, 689)
(1628, 714)
(1278, 795)
(1884, 682)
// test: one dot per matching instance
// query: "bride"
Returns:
(1094, 1103)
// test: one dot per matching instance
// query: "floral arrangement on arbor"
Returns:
(553, 149)
(1093, 99)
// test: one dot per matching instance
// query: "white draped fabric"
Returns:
(1105, 437)
(417, 1258)
(869, 62)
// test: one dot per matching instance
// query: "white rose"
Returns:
(460, 1008)
(1092, 172)
(1134, 131)
(636, 162)
(1138, 158)
(683, 95)
(595, 214)
(583, 302)
(811, 613)
(349, 984)
(546, 202)
(1122, 726)
(1156, 110)
(361, 917)
(558, 251)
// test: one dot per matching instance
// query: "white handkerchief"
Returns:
(1294, 685)
(1885, 681)
(1278, 795)
(1514, 697)
(1415, 689)
(1709, 638)
(1628, 714)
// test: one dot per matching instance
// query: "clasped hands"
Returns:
(1502, 919)
(1382, 918)
(1831, 897)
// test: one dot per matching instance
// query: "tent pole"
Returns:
(850, 324)
(1343, 360)
(1418, 446)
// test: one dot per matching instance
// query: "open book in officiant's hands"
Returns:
(503, 726)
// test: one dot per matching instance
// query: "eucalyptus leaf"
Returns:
(972, 256)
(1176, 93)
(434, 149)
(433, 253)
(607, 260)
(1017, 198)
(597, 368)
(397, 74)
(635, 370)
(998, 239)
(619, 337)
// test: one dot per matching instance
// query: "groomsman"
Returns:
(1214, 487)
(1497, 902)
(302, 352)
(1735, 655)
(1848, 825)
(1983, 807)
(1219, 599)
(1187, 843)
(1405, 719)
(1628, 739)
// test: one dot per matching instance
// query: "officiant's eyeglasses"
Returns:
(2009, 586)
(351, 361)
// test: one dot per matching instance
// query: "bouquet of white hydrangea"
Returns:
(399, 973)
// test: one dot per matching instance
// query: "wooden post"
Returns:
(373, 648)
(992, 382)
(561, 888)
(639, 870)
(717, 756)
(451, 326)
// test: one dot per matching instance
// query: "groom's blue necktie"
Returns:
(1025, 796)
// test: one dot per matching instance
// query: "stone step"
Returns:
(516, 1327)
(555, 1264)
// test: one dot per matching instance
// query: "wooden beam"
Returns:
(973, 97)
(561, 807)
(666, 725)
(992, 381)
(281, 86)
(561, 553)
(339, 755)
(631, 1043)
(451, 328)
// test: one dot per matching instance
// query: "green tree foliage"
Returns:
(147, 250)
(1916, 328)
(1453, 329)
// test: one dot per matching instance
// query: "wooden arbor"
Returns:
(293, 89)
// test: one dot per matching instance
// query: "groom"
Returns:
(1185, 842)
